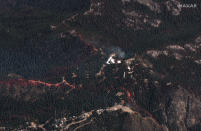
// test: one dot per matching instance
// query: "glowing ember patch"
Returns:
(129, 94)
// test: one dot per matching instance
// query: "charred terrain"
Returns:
(100, 65)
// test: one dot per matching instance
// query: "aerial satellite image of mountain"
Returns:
(100, 65)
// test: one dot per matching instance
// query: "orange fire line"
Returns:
(25, 83)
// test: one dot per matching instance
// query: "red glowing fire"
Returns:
(35, 83)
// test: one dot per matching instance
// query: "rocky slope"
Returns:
(134, 24)
(103, 70)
